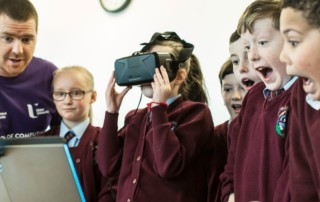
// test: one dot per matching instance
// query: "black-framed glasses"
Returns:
(74, 94)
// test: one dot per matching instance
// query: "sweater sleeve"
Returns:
(109, 152)
(227, 176)
(177, 144)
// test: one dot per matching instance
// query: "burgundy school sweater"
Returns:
(218, 161)
(164, 159)
(304, 161)
(95, 187)
(257, 157)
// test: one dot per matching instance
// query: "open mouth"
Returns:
(236, 107)
(266, 72)
(247, 83)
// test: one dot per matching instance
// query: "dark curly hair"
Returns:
(309, 8)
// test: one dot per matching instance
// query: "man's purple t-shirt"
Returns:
(26, 105)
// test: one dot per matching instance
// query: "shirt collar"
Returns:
(171, 100)
(78, 129)
(315, 104)
(285, 87)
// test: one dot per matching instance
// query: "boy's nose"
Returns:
(253, 54)
(283, 56)
(243, 67)
(236, 95)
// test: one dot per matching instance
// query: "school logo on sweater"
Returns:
(281, 125)
(34, 110)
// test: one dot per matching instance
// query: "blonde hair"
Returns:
(259, 9)
(88, 77)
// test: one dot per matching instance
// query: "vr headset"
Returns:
(139, 68)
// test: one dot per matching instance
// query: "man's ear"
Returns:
(93, 97)
(181, 76)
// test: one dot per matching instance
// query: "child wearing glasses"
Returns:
(73, 93)
(163, 150)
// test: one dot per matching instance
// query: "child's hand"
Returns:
(113, 98)
(231, 198)
(161, 85)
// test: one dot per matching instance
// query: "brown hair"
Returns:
(225, 70)
(193, 88)
(19, 10)
(234, 37)
(257, 10)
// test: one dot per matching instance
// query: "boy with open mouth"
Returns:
(242, 68)
(300, 28)
(256, 169)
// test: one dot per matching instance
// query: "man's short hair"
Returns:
(19, 10)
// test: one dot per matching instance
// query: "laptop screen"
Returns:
(38, 169)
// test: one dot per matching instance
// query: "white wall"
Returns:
(80, 32)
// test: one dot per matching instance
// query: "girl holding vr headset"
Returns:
(161, 153)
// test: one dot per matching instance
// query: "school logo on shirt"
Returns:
(34, 110)
(281, 124)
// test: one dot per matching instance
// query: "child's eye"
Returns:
(247, 47)
(59, 93)
(77, 94)
(263, 43)
(227, 90)
(293, 43)
(235, 62)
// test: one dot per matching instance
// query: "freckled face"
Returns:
(264, 45)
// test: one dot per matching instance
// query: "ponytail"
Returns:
(194, 88)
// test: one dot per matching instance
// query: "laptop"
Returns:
(38, 169)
